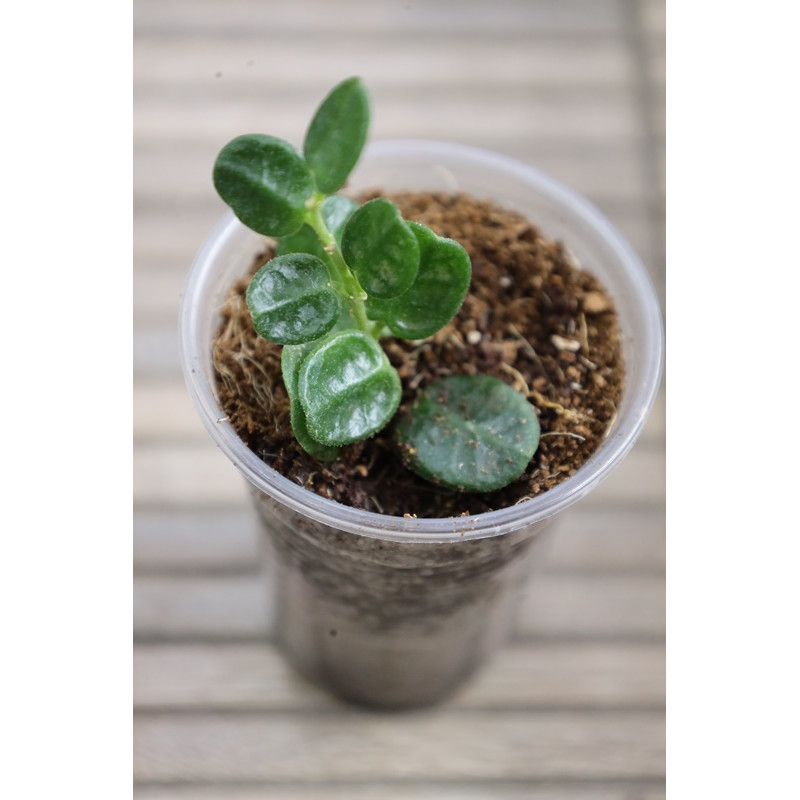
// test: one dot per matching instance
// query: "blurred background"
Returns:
(573, 706)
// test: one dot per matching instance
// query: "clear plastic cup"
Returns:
(396, 612)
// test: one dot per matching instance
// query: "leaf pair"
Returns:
(342, 389)
(267, 182)
(436, 294)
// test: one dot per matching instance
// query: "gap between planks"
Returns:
(415, 790)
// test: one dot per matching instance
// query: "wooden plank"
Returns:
(156, 353)
(488, 119)
(177, 474)
(653, 17)
(242, 65)
(226, 607)
(163, 410)
(592, 606)
(587, 539)
(157, 290)
(195, 541)
(416, 790)
(208, 608)
(541, 676)
(545, 18)
(425, 746)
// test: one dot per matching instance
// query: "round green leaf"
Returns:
(380, 248)
(291, 301)
(291, 358)
(265, 181)
(337, 134)
(336, 210)
(436, 294)
(472, 433)
(348, 388)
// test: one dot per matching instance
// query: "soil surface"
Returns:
(533, 318)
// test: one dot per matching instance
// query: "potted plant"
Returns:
(334, 328)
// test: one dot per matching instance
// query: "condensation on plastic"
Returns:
(395, 611)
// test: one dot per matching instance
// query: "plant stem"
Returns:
(343, 280)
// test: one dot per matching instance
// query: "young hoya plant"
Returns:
(346, 276)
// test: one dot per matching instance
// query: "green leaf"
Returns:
(291, 301)
(348, 388)
(381, 249)
(292, 357)
(336, 210)
(265, 181)
(435, 296)
(471, 433)
(337, 134)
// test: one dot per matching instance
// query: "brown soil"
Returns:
(532, 317)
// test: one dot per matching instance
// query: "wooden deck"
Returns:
(573, 707)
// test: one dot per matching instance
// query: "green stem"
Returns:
(343, 280)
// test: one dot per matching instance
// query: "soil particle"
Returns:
(533, 317)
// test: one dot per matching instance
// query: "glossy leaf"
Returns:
(291, 358)
(337, 133)
(266, 183)
(291, 301)
(381, 249)
(336, 210)
(348, 388)
(469, 433)
(436, 294)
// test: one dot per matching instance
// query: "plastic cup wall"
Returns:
(398, 612)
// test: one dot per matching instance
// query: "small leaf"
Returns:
(337, 134)
(302, 241)
(348, 388)
(291, 301)
(292, 357)
(435, 296)
(469, 432)
(381, 249)
(336, 210)
(266, 183)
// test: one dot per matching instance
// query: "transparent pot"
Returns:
(397, 612)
